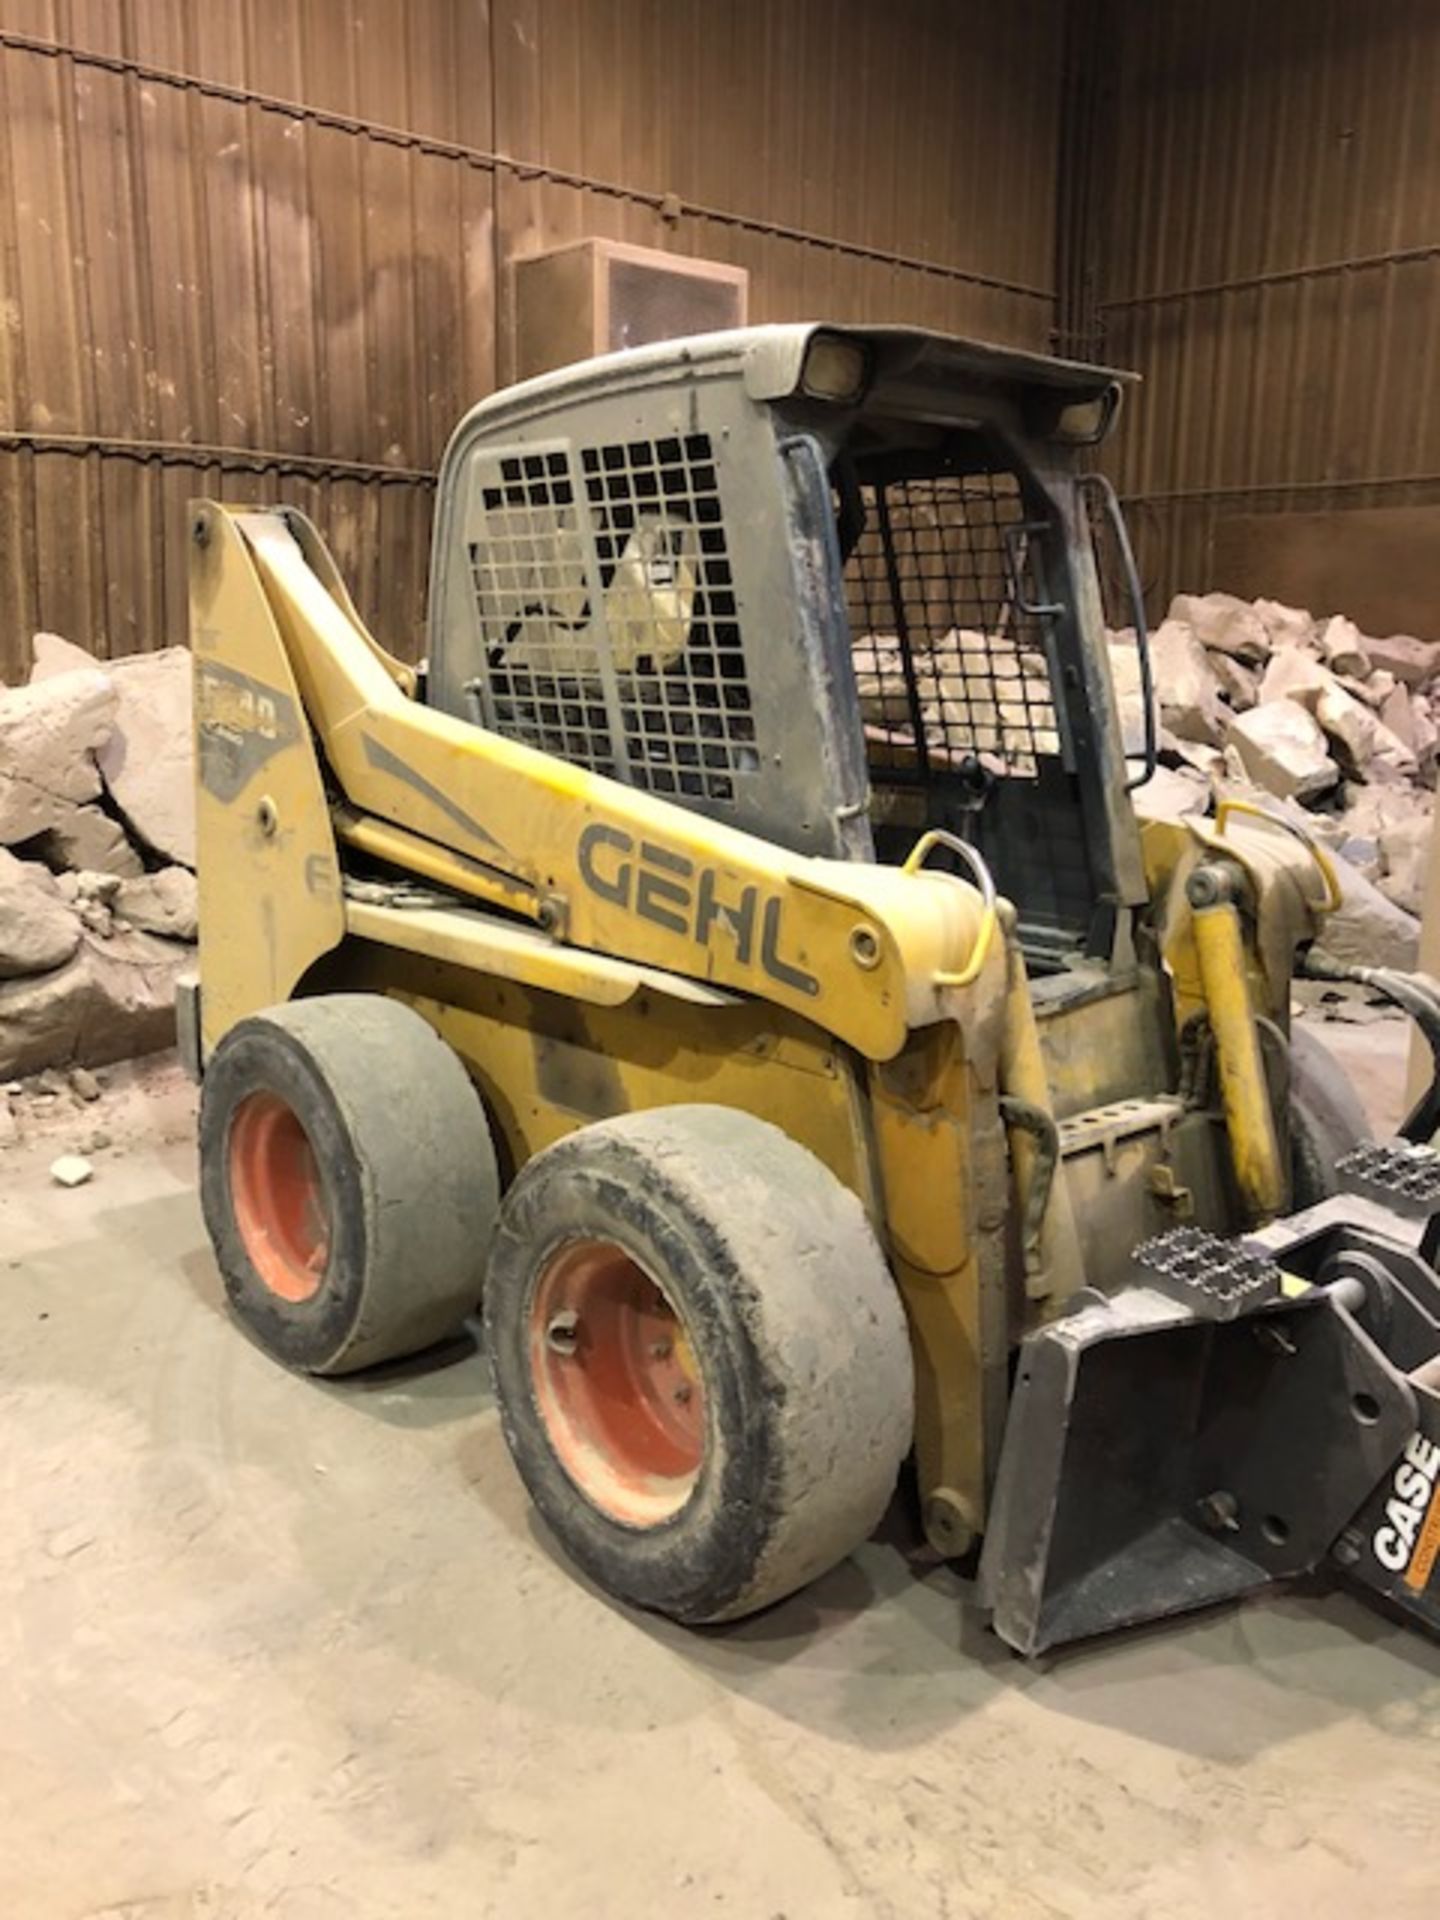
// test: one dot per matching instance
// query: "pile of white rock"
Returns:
(1252, 698)
(97, 856)
(1336, 728)
(980, 693)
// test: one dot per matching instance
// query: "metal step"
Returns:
(1216, 1279)
(1400, 1176)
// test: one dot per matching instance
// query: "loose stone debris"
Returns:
(71, 1170)
(1337, 728)
(97, 855)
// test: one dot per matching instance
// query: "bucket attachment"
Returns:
(1236, 1415)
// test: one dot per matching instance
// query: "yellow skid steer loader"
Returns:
(734, 958)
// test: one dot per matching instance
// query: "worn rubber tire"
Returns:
(405, 1158)
(797, 1332)
(1326, 1119)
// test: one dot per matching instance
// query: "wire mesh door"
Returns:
(950, 656)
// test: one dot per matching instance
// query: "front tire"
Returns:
(701, 1359)
(348, 1180)
(1326, 1119)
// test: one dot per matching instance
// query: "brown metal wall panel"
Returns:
(414, 64)
(1270, 262)
(923, 132)
(110, 535)
(1381, 565)
(183, 269)
(280, 226)
(919, 129)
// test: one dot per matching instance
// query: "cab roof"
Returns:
(770, 358)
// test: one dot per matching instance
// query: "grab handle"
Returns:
(984, 881)
(1109, 499)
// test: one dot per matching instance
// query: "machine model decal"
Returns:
(670, 891)
(384, 761)
(241, 723)
(1409, 1539)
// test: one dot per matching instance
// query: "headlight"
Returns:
(834, 369)
(1084, 423)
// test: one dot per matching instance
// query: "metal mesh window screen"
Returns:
(950, 669)
(533, 602)
(655, 687)
(671, 615)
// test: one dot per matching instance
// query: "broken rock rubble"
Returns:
(89, 840)
(1416, 662)
(49, 735)
(115, 997)
(1367, 929)
(149, 761)
(1282, 748)
(1335, 727)
(38, 927)
(97, 839)
(1191, 703)
(163, 902)
(1372, 697)
(1224, 624)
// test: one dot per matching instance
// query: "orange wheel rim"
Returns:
(616, 1383)
(278, 1197)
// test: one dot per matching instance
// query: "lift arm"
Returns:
(866, 952)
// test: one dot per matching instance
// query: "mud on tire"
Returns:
(348, 1180)
(706, 1234)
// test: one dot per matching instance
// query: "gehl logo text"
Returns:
(673, 892)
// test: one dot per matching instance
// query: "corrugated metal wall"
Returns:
(1270, 261)
(193, 263)
(256, 249)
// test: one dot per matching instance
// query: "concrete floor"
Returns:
(271, 1647)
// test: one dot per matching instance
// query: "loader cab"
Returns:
(835, 586)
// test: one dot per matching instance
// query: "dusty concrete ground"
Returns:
(270, 1647)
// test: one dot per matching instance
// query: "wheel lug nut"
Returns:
(563, 1333)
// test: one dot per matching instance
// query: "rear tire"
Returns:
(1326, 1119)
(702, 1363)
(348, 1180)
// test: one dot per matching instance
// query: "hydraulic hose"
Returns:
(1413, 994)
(1042, 1129)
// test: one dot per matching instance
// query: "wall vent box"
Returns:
(596, 296)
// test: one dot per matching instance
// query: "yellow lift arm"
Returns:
(603, 867)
